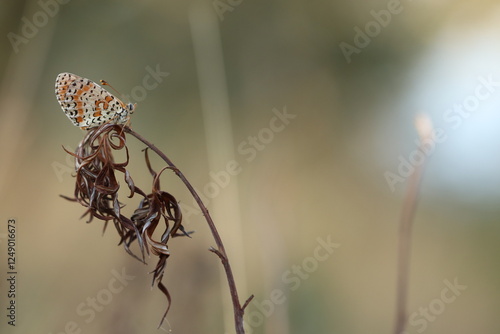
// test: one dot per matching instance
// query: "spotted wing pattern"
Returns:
(87, 104)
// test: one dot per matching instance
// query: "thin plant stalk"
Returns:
(425, 131)
(220, 250)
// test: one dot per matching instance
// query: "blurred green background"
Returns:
(351, 76)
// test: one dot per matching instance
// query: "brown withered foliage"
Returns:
(97, 189)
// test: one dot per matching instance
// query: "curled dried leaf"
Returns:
(97, 189)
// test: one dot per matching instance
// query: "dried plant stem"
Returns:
(404, 248)
(220, 251)
(424, 127)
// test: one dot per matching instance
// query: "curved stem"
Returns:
(404, 248)
(220, 251)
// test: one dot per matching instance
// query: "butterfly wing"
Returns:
(86, 103)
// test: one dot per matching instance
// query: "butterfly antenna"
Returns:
(105, 83)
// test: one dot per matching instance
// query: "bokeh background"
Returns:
(351, 76)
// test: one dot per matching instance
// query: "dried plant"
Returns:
(425, 131)
(97, 189)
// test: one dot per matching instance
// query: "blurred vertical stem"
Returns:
(220, 250)
(425, 132)
(219, 138)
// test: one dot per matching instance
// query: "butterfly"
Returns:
(87, 104)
